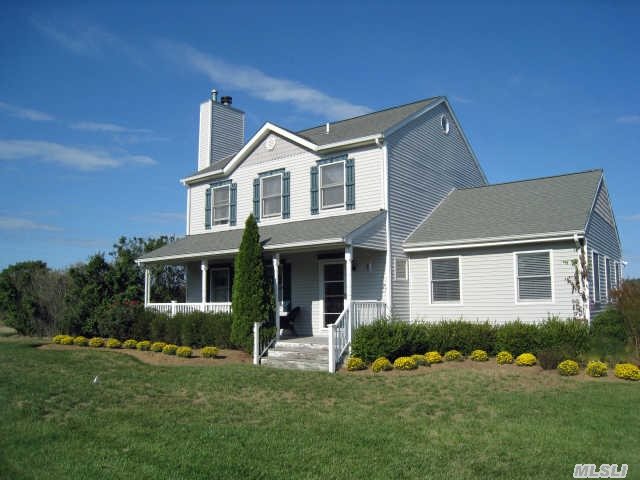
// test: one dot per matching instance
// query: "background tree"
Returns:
(627, 299)
(249, 299)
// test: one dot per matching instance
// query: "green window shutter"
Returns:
(285, 195)
(350, 184)
(207, 209)
(256, 198)
(233, 199)
(314, 190)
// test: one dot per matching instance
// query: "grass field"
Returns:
(238, 421)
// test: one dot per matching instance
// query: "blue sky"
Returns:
(99, 103)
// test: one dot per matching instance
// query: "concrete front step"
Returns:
(299, 354)
(295, 364)
(300, 346)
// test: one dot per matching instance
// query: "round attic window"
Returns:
(444, 123)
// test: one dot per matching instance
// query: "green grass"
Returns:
(237, 421)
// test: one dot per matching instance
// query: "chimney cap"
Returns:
(226, 100)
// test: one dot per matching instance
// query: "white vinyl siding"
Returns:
(332, 185)
(271, 191)
(445, 280)
(534, 276)
(609, 273)
(596, 280)
(220, 205)
(296, 161)
(488, 287)
(424, 165)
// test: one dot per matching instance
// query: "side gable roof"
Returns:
(365, 125)
(538, 207)
(361, 129)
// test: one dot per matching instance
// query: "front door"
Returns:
(333, 291)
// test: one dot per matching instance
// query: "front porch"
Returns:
(329, 276)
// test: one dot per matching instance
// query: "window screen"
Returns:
(445, 280)
(534, 276)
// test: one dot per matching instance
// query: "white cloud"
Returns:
(26, 113)
(633, 218)
(13, 223)
(261, 85)
(107, 127)
(629, 119)
(74, 157)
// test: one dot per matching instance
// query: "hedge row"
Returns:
(393, 339)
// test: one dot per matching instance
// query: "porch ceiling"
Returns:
(303, 234)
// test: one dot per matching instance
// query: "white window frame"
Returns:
(445, 302)
(596, 298)
(406, 268)
(617, 269)
(262, 197)
(516, 284)
(220, 269)
(322, 187)
(222, 221)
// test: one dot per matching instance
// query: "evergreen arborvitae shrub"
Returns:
(249, 297)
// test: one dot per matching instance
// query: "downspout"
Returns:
(385, 206)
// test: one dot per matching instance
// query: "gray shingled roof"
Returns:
(364, 125)
(328, 228)
(527, 207)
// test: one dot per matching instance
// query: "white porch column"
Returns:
(348, 258)
(276, 291)
(147, 286)
(204, 266)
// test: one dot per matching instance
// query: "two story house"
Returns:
(388, 213)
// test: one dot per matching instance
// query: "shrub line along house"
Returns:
(386, 213)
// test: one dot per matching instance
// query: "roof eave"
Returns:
(493, 241)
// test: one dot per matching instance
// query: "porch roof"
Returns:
(333, 230)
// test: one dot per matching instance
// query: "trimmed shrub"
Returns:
(420, 360)
(405, 363)
(67, 340)
(81, 341)
(526, 360)
(184, 352)
(58, 338)
(433, 357)
(568, 336)
(169, 349)
(172, 329)
(96, 342)
(355, 363)
(517, 337)
(479, 356)
(568, 368)
(458, 335)
(388, 338)
(157, 346)
(158, 327)
(453, 355)
(131, 343)
(627, 371)
(608, 334)
(209, 352)
(113, 343)
(216, 329)
(144, 345)
(550, 358)
(116, 320)
(597, 369)
(381, 364)
(504, 358)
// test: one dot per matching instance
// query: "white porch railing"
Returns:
(364, 312)
(175, 307)
(356, 314)
(261, 345)
(339, 338)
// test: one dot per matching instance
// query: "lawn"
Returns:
(239, 421)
